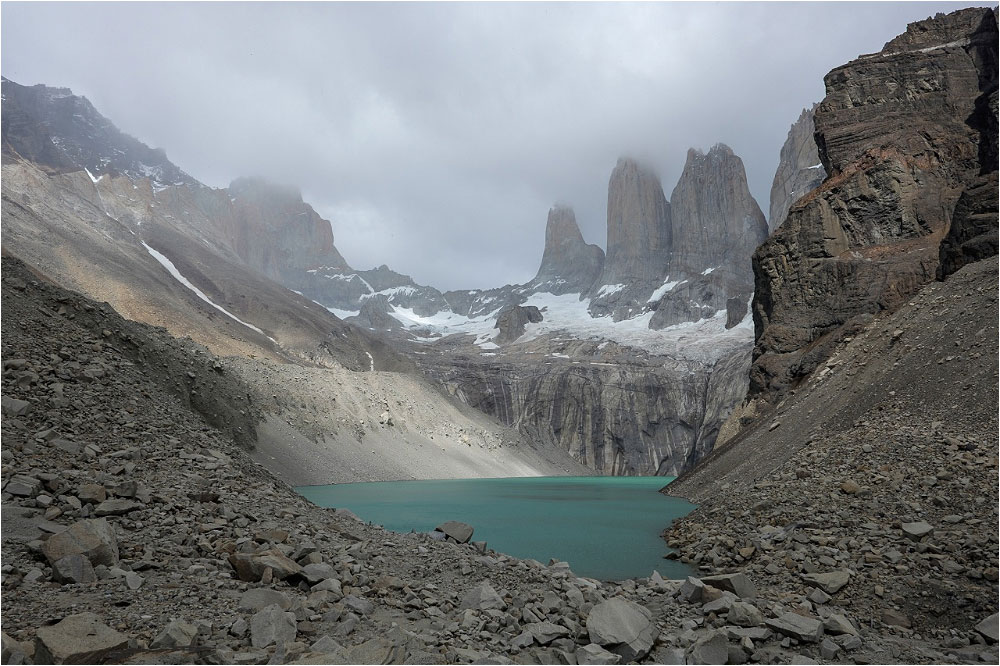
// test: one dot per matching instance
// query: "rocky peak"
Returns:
(568, 263)
(276, 233)
(639, 231)
(717, 224)
(63, 132)
(799, 168)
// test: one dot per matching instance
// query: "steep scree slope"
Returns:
(898, 427)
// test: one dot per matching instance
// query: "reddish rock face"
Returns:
(902, 133)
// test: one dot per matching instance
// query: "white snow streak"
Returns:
(169, 265)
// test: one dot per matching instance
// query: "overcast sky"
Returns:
(435, 137)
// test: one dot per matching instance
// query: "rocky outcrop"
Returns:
(799, 169)
(717, 225)
(278, 234)
(569, 265)
(901, 134)
(639, 231)
(374, 315)
(512, 320)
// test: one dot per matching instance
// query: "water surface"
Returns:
(605, 527)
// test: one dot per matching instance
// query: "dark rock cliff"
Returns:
(903, 135)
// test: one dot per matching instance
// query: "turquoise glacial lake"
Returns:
(605, 527)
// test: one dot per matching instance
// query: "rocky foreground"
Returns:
(134, 531)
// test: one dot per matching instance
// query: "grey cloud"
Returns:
(436, 136)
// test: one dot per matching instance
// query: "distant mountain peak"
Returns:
(63, 132)
(569, 264)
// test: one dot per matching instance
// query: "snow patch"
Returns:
(405, 290)
(663, 289)
(169, 265)
(707, 271)
(609, 289)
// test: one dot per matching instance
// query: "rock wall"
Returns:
(799, 169)
(637, 416)
(900, 136)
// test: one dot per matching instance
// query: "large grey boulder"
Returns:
(77, 639)
(736, 583)
(251, 567)
(94, 539)
(73, 569)
(989, 628)
(743, 614)
(623, 627)
(711, 649)
(460, 532)
(272, 626)
(482, 597)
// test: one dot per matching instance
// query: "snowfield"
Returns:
(704, 340)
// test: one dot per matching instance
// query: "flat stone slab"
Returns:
(802, 628)
(831, 582)
(77, 639)
(460, 532)
(917, 531)
(545, 632)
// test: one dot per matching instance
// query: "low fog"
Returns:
(436, 136)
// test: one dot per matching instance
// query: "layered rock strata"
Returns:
(901, 134)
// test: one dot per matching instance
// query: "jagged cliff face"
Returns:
(799, 169)
(685, 259)
(903, 135)
(569, 265)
